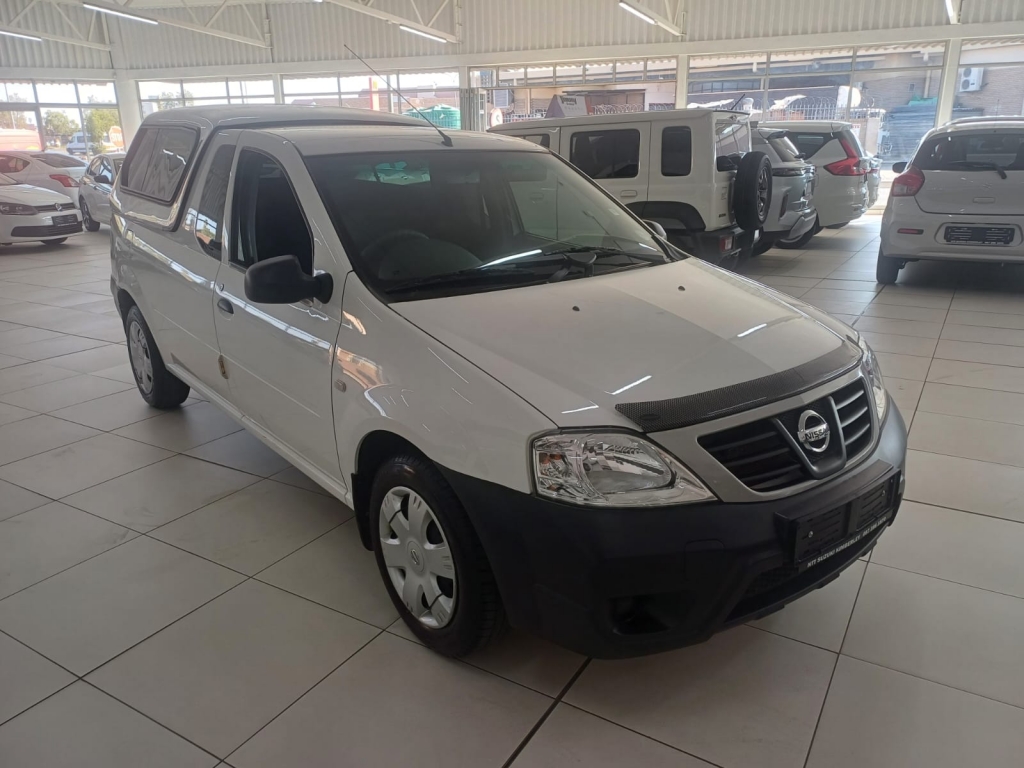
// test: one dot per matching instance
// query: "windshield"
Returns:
(784, 148)
(55, 160)
(972, 152)
(7, 181)
(426, 224)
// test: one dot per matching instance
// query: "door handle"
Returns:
(628, 193)
(225, 306)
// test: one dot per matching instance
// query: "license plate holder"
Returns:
(992, 236)
(60, 221)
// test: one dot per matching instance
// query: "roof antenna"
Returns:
(736, 103)
(445, 138)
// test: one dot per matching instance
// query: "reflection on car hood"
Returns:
(577, 348)
(29, 195)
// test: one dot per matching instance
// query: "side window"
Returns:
(95, 167)
(139, 156)
(157, 169)
(268, 219)
(676, 151)
(731, 138)
(210, 210)
(544, 139)
(11, 164)
(606, 154)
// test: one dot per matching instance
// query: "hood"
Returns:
(578, 348)
(26, 194)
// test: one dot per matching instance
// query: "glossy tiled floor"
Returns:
(173, 594)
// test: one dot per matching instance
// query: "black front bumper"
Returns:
(614, 583)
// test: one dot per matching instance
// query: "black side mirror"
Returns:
(899, 167)
(725, 163)
(280, 280)
(102, 179)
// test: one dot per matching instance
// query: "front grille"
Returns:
(757, 455)
(854, 416)
(763, 455)
(51, 231)
(68, 206)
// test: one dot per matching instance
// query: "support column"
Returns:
(682, 81)
(278, 89)
(949, 82)
(129, 105)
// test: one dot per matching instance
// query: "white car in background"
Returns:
(841, 193)
(29, 214)
(49, 170)
(792, 212)
(961, 198)
(94, 189)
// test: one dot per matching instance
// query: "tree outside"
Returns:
(98, 123)
(169, 100)
(58, 126)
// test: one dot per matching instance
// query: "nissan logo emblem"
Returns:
(813, 432)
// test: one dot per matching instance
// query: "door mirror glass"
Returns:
(280, 280)
(899, 167)
(657, 229)
(726, 163)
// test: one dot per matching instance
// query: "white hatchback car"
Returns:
(49, 170)
(961, 198)
(30, 214)
(536, 407)
(842, 192)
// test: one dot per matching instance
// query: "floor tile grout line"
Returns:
(306, 692)
(949, 581)
(19, 641)
(547, 713)
(835, 666)
(958, 509)
(965, 458)
(36, 704)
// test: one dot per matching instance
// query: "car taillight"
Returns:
(851, 165)
(725, 243)
(908, 183)
(64, 179)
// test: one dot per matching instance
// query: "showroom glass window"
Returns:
(75, 116)
(157, 95)
(990, 78)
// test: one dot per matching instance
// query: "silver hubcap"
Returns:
(142, 363)
(762, 193)
(417, 557)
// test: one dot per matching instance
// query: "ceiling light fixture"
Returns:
(636, 12)
(21, 36)
(122, 14)
(421, 33)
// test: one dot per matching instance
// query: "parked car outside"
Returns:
(961, 198)
(841, 191)
(691, 170)
(50, 170)
(30, 213)
(539, 410)
(792, 212)
(94, 189)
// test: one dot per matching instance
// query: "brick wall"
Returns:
(1002, 92)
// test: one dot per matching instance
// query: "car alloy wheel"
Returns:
(142, 363)
(764, 192)
(417, 557)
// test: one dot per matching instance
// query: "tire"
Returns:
(887, 269)
(763, 245)
(837, 226)
(801, 241)
(55, 241)
(158, 386)
(465, 610)
(90, 225)
(752, 198)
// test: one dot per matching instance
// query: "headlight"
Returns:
(611, 470)
(874, 374)
(17, 209)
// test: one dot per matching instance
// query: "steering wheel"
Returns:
(385, 241)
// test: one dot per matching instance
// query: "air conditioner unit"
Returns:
(504, 98)
(971, 78)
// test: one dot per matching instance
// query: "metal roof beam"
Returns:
(392, 18)
(54, 38)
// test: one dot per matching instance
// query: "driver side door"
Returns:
(278, 357)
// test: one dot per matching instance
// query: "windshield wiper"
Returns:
(498, 276)
(599, 251)
(981, 165)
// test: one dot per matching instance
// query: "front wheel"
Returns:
(92, 226)
(158, 386)
(433, 565)
(887, 269)
(800, 242)
(55, 241)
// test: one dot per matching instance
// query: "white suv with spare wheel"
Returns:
(539, 410)
(961, 198)
(692, 171)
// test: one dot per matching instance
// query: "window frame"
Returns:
(185, 174)
(689, 167)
